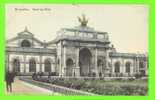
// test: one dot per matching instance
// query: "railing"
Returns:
(83, 38)
(127, 55)
(86, 34)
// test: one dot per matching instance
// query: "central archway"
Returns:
(85, 57)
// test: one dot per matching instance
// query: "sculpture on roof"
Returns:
(26, 29)
(83, 20)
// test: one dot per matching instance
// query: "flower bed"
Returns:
(101, 87)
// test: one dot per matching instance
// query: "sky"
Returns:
(127, 25)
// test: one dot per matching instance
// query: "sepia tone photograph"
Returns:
(76, 49)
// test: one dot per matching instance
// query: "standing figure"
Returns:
(9, 78)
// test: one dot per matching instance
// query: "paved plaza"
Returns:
(22, 88)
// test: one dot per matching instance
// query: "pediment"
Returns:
(24, 35)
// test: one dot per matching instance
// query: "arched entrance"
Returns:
(16, 65)
(47, 64)
(101, 66)
(85, 58)
(127, 67)
(117, 67)
(141, 68)
(32, 65)
(69, 67)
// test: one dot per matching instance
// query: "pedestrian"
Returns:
(49, 75)
(34, 76)
(9, 78)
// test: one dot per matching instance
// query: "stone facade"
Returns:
(75, 52)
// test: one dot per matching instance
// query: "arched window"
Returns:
(127, 67)
(25, 43)
(16, 65)
(47, 65)
(141, 64)
(117, 67)
(32, 65)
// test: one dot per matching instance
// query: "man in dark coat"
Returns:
(9, 78)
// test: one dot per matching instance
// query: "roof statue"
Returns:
(26, 29)
(83, 20)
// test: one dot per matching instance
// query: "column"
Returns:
(112, 65)
(96, 69)
(77, 67)
(55, 64)
(122, 67)
(64, 62)
(7, 67)
(10, 65)
(60, 60)
(138, 65)
(77, 57)
(107, 69)
(24, 63)
(146, 67)
(134, 66)
(107, 65)
(132, 69)
(40, 64)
